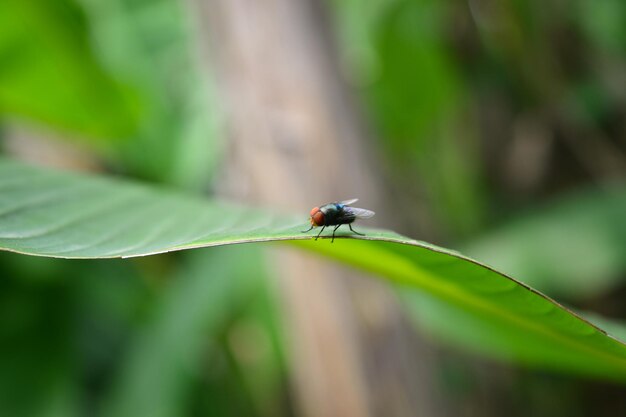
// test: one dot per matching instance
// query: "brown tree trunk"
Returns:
(295, 141)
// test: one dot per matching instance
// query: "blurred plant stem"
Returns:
(296, 141)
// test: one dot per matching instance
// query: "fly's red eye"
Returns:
(314, 210)
(318, 218)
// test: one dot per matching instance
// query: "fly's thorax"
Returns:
(334, 214)
(331, 208)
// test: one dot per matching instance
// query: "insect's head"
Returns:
(317, 217)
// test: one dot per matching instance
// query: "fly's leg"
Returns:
(354, 231)
(318, 235)
(334, 230)
(310, 228)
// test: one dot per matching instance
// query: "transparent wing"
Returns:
(360, 213)
(348, 202)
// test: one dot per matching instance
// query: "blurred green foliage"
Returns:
(151, 44)
(62, 324)
(166, 335)
(49, 72)
(415, 91)
(119, 71)
(449, 87)
(573, 248)
(213, 331)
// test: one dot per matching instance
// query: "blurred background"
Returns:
(497, 128)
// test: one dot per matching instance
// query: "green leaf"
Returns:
(66, 215)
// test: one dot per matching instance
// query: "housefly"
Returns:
(336, 214)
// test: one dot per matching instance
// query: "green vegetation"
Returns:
(499, 130)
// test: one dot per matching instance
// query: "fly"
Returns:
(336, 214)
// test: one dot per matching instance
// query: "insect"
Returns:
(336, 214)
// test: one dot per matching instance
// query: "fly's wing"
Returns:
(360, 213)
(348, 202)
